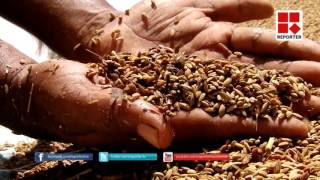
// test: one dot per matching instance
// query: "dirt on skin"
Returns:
(51, 170)
(311, 13)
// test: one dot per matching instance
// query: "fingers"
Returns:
(198, 125)
(215, 46)
(308, 70)
(262, 42)
(236, 10)
(309, 107)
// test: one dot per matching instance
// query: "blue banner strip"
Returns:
(133, 157)
(42, 156)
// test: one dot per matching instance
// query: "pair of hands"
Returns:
(67, 104)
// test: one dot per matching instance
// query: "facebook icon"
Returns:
(39, 157)
(103, 157)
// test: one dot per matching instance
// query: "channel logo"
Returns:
(39, 157)
(289, 25)
(45, 156)
(103, 157)
(167, 156)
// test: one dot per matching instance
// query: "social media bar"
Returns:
(170, 157)
(200, 157)
(43, 156)
(105, 156)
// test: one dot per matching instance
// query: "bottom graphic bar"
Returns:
(200, 157)
(43, 156)
(105, 157)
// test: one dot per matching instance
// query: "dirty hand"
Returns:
(206, 28)
(66, 104)
(55, 100)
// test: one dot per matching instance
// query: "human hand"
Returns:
(205, 38)
(197, 28)
(66, 103)
(57, 99)
(207, 28)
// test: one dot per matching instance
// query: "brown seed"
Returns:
(238, 92)
(177, 106)
(94, 41)
(74, 48)
(112, 17)
(280, 116)
(237, 53)
(222, 110)
(283, 144)
(297, 115)
(209, 110)
(257, 87)
(158, 174)
(227, 81)
(184, 106)
(186, 87)
(22, 62)
(135, 96)
(225, 96)
(301, 93)
(205, 103)
(289, 114)
(153, 5)
(231, 108)
(270, 144)
(98, 32)
(187, 72)
(127, 12)
(244, 113)
(120, 20)
(237, 145)
(115, 34)
(145, 18)
(201, 97)
(264, 106)
(150, 98)
(169, 174)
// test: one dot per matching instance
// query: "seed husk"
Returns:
(218, 86)
(270, 144)
(153, 5)
(112, 17)
(30, 98)
(222, 110)
(127, 12)
(145, 19)
(120, 20)
(75, 47)
(227, 81)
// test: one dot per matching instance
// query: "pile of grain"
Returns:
(175, 81)
(255, 158)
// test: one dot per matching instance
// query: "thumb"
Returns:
(144, 119)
